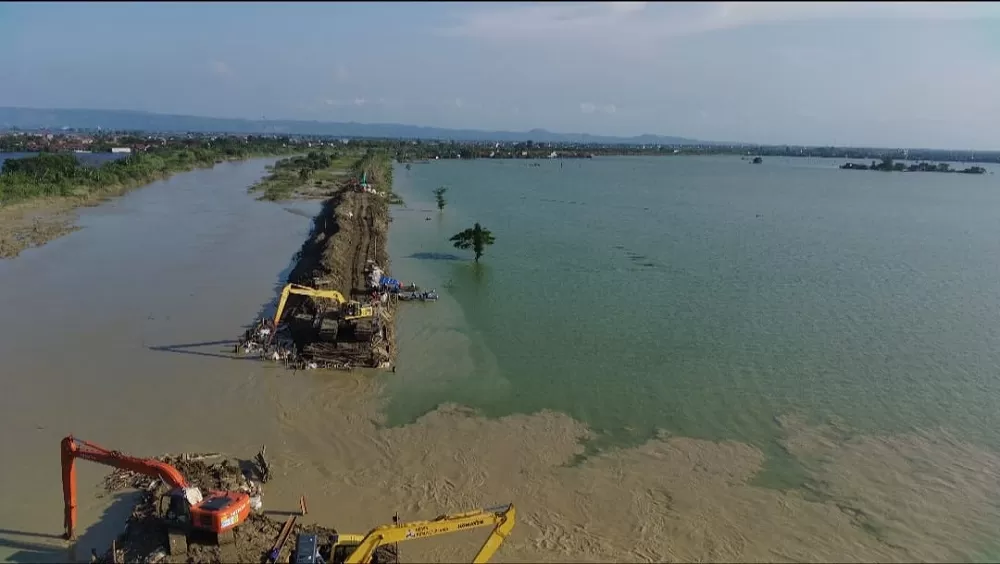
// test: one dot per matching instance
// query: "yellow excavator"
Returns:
(349, 310)
(379, 544)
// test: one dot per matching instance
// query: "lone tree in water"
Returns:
(439, 194)
(476, 238)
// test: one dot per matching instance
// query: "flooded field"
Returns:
(121, 333)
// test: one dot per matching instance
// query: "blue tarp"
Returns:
(386, 281)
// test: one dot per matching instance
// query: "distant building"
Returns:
(121, 150)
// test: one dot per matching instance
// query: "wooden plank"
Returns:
(286, 530)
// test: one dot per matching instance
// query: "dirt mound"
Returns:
(351, 228)
(223, 475)
(308, 266)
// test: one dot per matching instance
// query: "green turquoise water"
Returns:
(704, 296)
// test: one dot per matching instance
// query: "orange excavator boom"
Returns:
(73, 448)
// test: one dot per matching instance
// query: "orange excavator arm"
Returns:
(73, 448)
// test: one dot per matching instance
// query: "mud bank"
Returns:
(33, 223)
(350, 232)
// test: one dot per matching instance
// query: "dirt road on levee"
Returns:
(348, 236)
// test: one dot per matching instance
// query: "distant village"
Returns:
(419, 150)
(33, 142)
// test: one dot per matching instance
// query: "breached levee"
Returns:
(347, 240)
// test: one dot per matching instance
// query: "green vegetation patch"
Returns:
(316, 170)
(63, 175)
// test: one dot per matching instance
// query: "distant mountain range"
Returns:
(33, 118)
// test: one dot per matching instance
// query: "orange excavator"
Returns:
(183, 508)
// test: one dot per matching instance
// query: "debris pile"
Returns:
(145, 537)
(328, 354)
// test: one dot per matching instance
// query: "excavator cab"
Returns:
(354, 310)
(338, 549)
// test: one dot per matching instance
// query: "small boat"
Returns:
(419, 296)
(395, 287)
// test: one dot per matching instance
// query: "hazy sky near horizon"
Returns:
(914, 74)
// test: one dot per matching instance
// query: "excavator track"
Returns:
(177, 545)
(227, 547)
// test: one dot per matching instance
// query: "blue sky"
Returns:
(885, 74)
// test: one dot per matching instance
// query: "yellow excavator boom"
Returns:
(501, 517)
(289, 289)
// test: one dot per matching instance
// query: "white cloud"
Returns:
(220, 68)
(458, 102)
(341, 74)
(626, 7)
(636, 21)
(745, 13)
(590, 108)
(355, 102)
(540, 19)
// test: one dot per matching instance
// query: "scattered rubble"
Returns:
(145, 538)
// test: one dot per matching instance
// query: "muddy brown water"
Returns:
(120, 333)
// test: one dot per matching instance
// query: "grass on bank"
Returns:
(315, 171)
(320, 171)
(63, 175)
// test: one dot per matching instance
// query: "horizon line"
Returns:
(693, 141)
